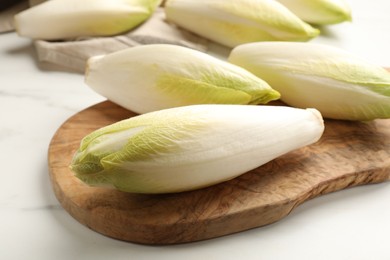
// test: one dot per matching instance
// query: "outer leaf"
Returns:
(191, 147)
(61, 19)
(154, 77)
(338, 84)
(236, 22)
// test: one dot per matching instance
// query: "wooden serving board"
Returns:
(348, 154)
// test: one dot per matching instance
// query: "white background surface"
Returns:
(36, 99)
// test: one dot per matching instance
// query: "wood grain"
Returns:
(348, 154)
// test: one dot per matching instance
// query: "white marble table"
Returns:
(35, 99)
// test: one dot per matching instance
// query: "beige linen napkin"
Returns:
(74, 54)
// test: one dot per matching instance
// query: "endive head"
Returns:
(63, 19)
(336, 82)
(191, 147)
(236, 22)
(321, 12)
(158, 76)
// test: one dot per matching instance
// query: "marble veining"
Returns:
(44, 207)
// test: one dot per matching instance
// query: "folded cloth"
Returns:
(74, 54)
